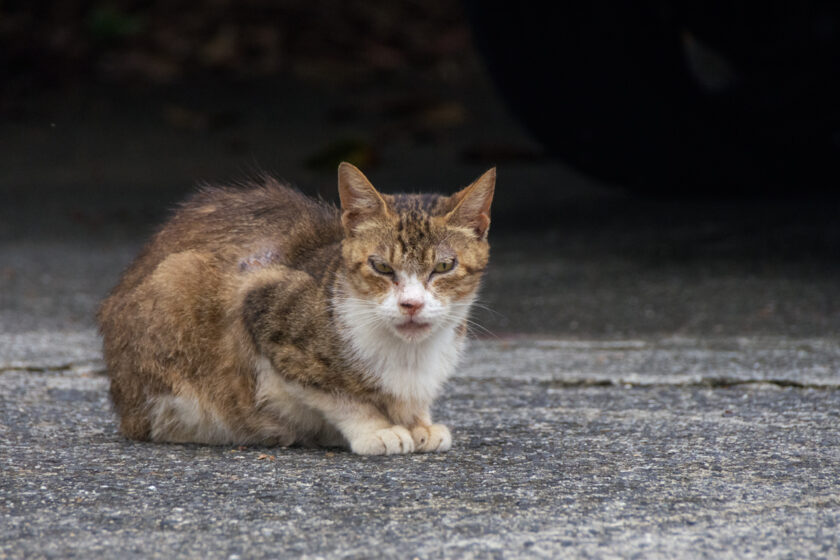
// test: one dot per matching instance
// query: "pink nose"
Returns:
(411, 306)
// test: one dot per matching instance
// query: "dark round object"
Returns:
(684, 98)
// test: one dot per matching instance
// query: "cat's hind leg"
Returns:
(183, 419)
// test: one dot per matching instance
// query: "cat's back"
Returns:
(234, 219)
(232, 224)
(239, 214)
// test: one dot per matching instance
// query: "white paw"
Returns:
(432, 438)
(387, 441)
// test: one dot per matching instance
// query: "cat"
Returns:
(258, 315)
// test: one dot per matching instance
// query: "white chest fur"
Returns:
(413, 371)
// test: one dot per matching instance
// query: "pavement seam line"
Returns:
(706, 382)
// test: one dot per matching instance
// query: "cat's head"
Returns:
(412, 263)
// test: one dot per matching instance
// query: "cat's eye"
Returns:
(444, 266)
(381, 267)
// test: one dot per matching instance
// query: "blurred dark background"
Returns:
(664, 168)
(677, 97)
(654, 113)
(112, 111)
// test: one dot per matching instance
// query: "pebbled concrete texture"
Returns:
(539, 468)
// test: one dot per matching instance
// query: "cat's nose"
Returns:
(411, 306)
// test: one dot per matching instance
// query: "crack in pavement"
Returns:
(698, 362)
(53, 369)
(706, 382)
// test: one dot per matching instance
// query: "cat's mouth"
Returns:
(413, 328)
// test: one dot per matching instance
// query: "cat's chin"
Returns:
(413, 331)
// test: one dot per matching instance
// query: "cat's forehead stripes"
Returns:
(413, 230)
(415, 235)
(429, 204)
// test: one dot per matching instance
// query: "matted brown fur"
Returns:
(224, 329)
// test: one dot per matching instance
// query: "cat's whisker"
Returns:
(473, 326)
(483, 308)
(490, 310)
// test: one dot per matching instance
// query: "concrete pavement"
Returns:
(649, 378)
(654, 445)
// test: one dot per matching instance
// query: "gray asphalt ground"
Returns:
(648, 378)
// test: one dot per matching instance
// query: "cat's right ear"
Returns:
(472, 204)
(359, 200)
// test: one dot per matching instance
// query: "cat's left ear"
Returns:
(472, 204)
(359, 200)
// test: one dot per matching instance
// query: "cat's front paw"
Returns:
(387, 441)
(432, 438)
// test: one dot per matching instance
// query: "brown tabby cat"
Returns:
(261, 316)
